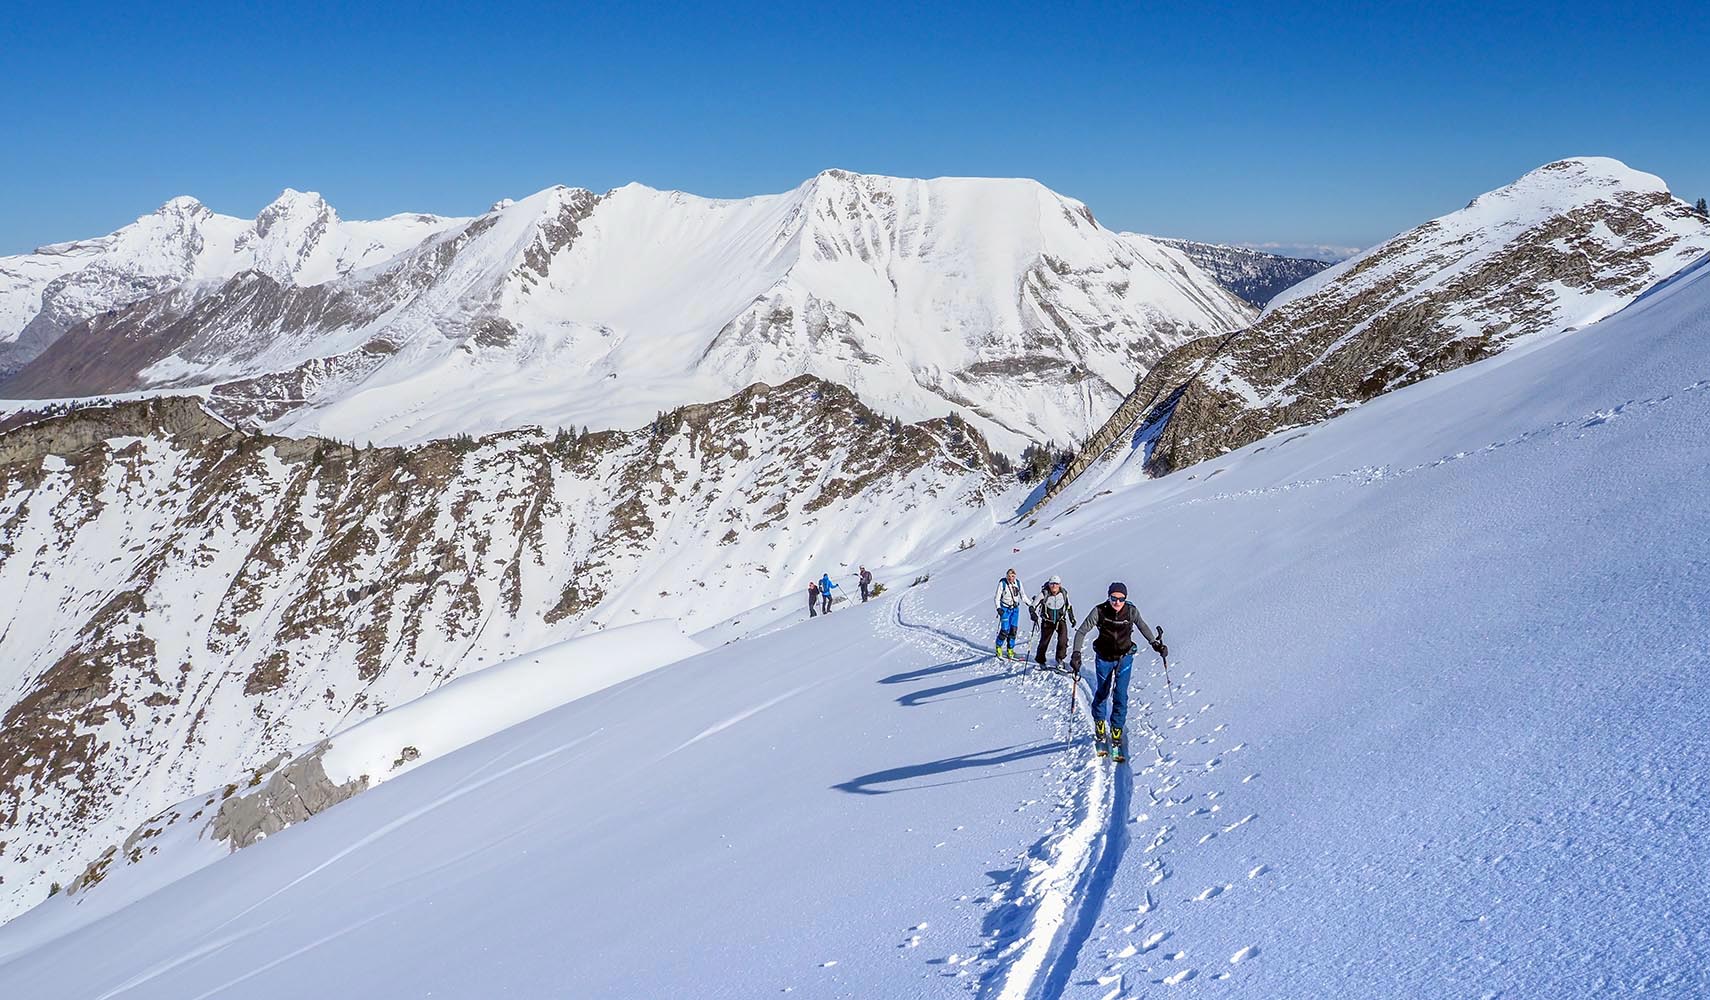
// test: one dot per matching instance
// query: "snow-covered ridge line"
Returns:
(1564, 246)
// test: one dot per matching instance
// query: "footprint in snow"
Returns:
(1260, 870)
(1212, 893)
(1178, 978)
(1154, 940)
(1250, 951)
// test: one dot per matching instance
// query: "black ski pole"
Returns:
(1168, 698)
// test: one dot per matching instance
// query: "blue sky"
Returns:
(1320, 123)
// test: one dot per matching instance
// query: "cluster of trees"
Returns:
(1039, 460)
(1703, 209)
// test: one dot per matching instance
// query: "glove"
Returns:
(1075, 661)
(1000, 614)
(1033, 616)
(1161, 649)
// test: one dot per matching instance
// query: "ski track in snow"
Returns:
(1065, 893)
(719, 727)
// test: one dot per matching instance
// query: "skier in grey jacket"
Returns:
(1056, 616)
(1113, 650)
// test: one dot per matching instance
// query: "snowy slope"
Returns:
(295, 786)
(998, 299)
(1437, 730)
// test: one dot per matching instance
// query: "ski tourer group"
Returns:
(1114, 619)
(819, 592)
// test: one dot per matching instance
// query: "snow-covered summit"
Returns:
(1560, 248)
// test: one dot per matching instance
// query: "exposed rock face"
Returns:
(1564, 246)
(1254, 275)
(290, 794)
(186, 600)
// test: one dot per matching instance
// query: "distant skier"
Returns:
(1053, 610)
(813, 599)
(1115, 621)
(825, 589)
(1008, 601)
(866, 583)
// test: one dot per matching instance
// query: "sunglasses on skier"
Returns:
(1117, 600)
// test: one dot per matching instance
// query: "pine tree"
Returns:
(1703, 209)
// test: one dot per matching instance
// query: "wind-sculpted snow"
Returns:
(996, 299)
(186, 601)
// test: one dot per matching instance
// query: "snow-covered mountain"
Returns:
(1564, 246)
(1254, 275)
(998, 299)
(185, 602)
(1437, 729)
(296, 240)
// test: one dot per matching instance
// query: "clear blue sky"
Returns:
(1318, 122)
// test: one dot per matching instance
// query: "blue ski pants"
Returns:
(1008, 619)
(1113, 684)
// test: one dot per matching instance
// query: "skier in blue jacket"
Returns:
(825, 589)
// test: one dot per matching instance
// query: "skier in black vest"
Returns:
(1115, 621)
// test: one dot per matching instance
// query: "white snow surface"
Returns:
(1437, 728)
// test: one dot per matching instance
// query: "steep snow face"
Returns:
(297, 239)
(1255, 276)
(1564, 246)
(995, 298)
(185, 602)
(1437, 672)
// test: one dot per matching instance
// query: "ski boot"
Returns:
(1101, 737)
(1118, 749)
(997, 651)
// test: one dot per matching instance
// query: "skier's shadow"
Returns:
(926, 696)
(867, 784)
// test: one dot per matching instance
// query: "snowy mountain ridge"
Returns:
(1562, 247)
(297, 239)
(998, 299)
(1416, 714)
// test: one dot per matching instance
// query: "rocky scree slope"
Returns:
(998, 299)
(186, 601)
(1564, 246)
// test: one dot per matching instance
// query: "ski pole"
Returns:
(1168, 699)
(1074, 688)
